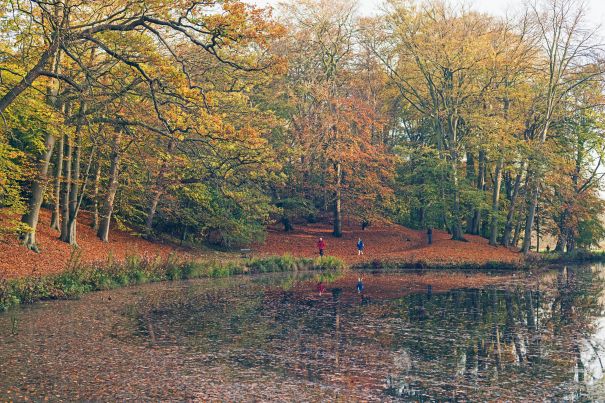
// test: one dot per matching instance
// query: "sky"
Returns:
(596, 14)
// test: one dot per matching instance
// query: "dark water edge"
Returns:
(424, 336)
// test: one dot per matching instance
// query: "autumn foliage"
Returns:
(205, 123)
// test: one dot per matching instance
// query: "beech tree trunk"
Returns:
(95, 197)
(153, 205)
(337, 202)
(35, 201)
(517, 233)
(74, 193)
(571, 244)
(53, 100)
(508, 227)
(56, 213)
(529, 222)
(496, 204)
(456, 224)
(65, 191)
(159, 191)
(471, 177)
(533, 201)
(476, 224)
(103, 232)
(562, 238)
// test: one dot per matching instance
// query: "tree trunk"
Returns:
(517, 234)
(456, 225)
(53, 100)
(562, 238)
(56, 213)
(95, 197)
(159, 191)
(476, 223)
(285, 220)
(529, 222)
(35, 201)
(537, 230)
(155, 199)
(66, 190)
(337, 202)
(533, 201)
(472, 178)
(496, 204)
(103, 232)
(74, 193)
(508, 227)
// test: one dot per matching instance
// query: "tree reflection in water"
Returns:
(408, 336)
(497, 342)
(505, 343)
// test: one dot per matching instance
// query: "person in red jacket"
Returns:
(321, 245)
(321, 288)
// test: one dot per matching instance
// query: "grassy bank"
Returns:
(419, 265)
(577, 256)
(533, 261)
(80, 279)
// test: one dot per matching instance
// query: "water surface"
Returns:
(407, 336)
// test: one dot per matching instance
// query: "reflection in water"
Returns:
(274, 338)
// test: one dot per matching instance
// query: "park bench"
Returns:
(246, 253)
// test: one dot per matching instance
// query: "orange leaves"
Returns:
(385, 242)
(18, 261)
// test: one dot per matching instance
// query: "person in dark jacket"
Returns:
(359, 285)
(429, 235)
(360, 247)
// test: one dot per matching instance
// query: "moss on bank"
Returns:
(134, 270)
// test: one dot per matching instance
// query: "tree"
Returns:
(333, 153)
(93, 49)
(438, 58)
(567, 47)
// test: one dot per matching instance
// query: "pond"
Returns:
(406, 336)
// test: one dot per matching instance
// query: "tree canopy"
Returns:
(206, 121)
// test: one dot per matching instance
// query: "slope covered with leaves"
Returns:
(386, 242)
(54, 256)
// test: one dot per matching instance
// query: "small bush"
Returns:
(174, 273)
(101, 280)
(272, 264)
(329, 263)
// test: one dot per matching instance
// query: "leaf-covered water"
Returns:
(428, 336)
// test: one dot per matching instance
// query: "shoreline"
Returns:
(134, 270)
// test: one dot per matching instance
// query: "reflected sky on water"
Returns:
(407, 336)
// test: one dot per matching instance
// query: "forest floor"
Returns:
(55, 255)
(387, 242)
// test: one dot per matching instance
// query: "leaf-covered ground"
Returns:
(54, 256)
(383, 242)
(386, 242)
